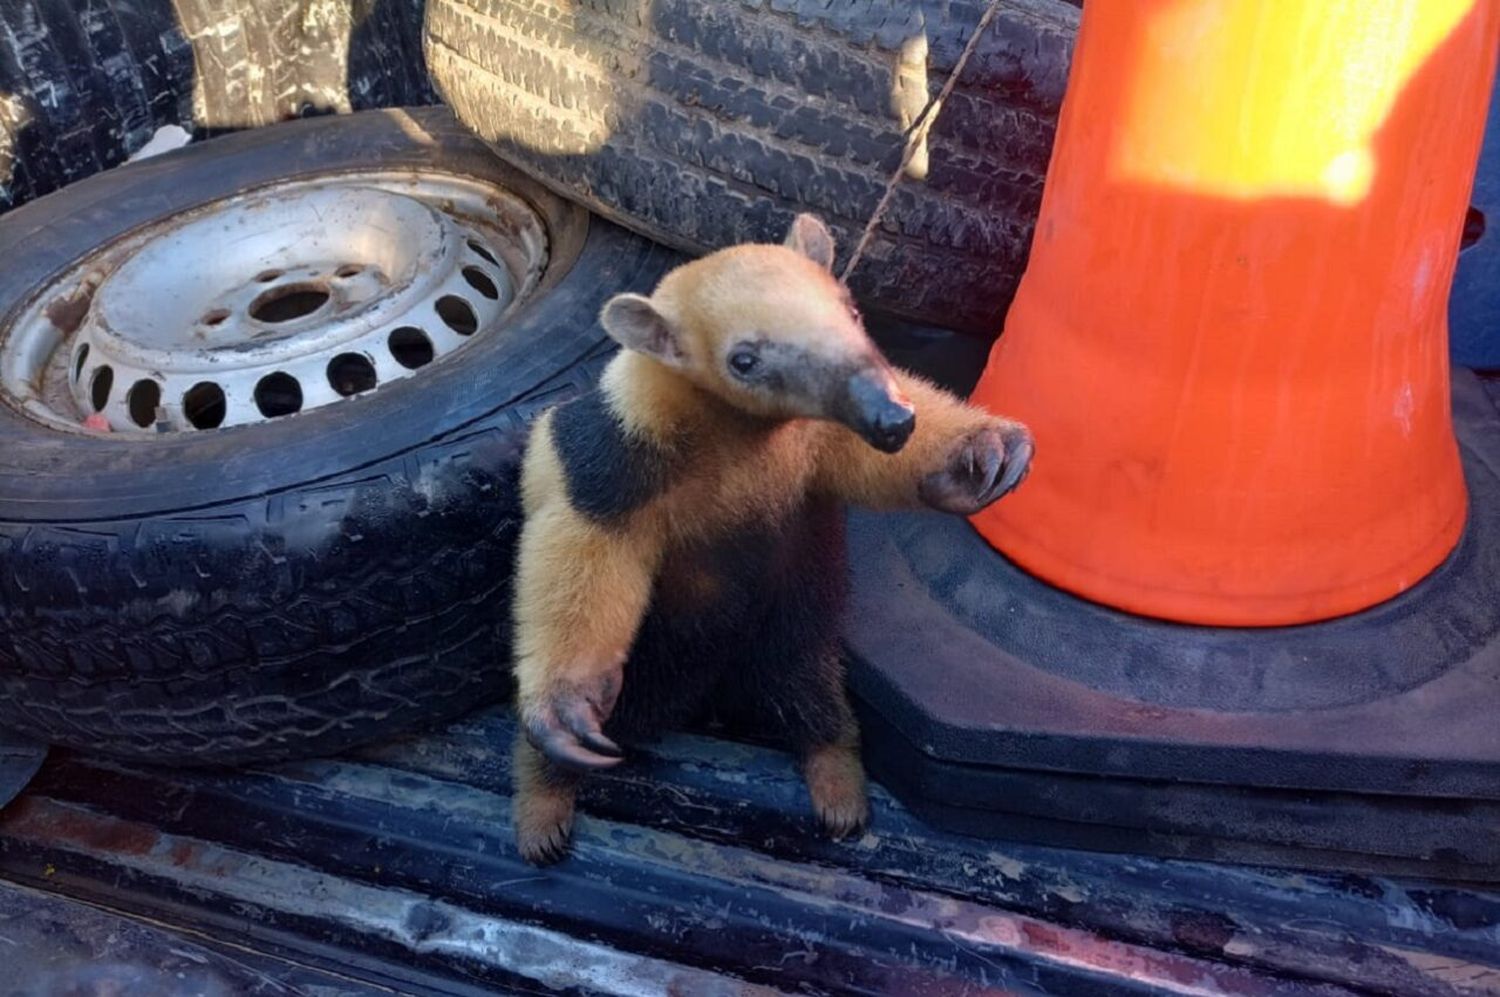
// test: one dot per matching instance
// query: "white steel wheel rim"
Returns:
(271, 303)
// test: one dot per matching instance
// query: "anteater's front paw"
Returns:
(566, 723)
(985, 465)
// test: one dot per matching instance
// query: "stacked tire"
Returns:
(84, 86)
(703, 123)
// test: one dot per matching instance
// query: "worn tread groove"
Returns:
(96, 80)
(703, 124)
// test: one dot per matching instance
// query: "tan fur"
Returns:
(580, 589)
(543, 802)
(742, 468)
(836, 781)
(583, 588)
(776, 292)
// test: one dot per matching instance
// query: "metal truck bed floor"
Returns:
(696, 871)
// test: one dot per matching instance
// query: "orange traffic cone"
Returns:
(1231, 339)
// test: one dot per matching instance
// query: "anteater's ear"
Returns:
(633, 321)
(810, 237)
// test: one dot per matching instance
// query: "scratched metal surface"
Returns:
(697, 871)
(55, 946)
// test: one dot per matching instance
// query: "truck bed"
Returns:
(697, 870)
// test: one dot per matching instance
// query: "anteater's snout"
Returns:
(877, 412)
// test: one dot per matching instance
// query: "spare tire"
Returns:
(703, 123)
(285, 584)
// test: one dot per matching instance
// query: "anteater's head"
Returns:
(769, 330)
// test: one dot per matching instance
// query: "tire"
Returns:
(83, 86)
(19, 761)
(703, 123)
(297, 586)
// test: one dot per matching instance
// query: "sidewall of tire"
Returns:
(300, 586)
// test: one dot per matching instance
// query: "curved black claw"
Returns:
(987, 465)
(1019, 449)
(568, 728)
(582, 719)
(572, 749)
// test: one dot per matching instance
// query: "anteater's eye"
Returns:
(743, 362)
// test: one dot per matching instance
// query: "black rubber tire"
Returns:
(19, 761)
(83, 86)
(703, 123)
(299, 586)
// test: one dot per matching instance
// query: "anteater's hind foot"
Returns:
(836, 779)
(543, 805)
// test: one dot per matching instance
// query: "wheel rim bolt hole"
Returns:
(478, 249)
(457, 314)
(142, 401)
(278, 394)
(100, 386)
(203, 405)
(481, 282)
(411, 347)
(351, 374)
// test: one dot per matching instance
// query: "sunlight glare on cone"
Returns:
(1272, 98)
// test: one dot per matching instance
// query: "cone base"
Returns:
(999, 705)
(1220, 609)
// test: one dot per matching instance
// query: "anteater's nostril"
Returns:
(872, 409)
(895, 425)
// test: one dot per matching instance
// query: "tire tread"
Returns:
(707, 124)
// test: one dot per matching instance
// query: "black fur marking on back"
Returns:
(608, 472)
